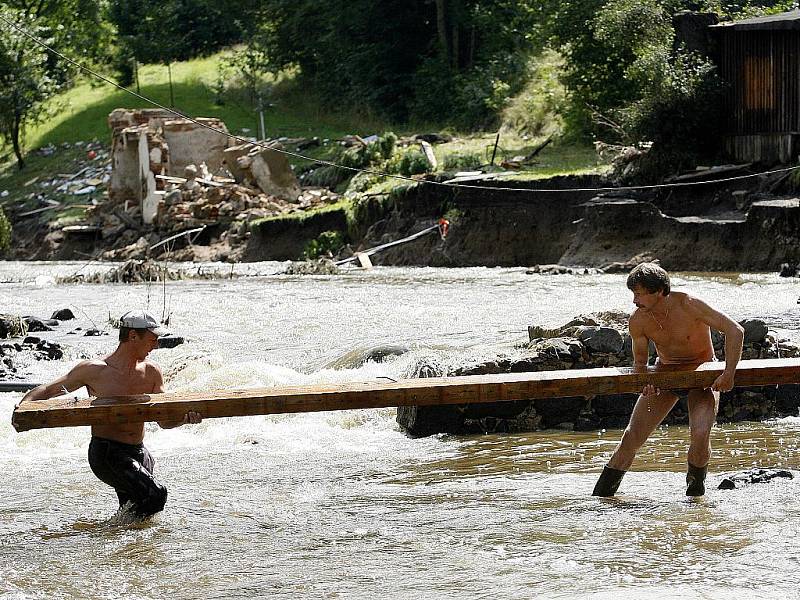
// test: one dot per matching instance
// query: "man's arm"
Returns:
(639, 343)
(78, 377)
(734, 337)
(158, 388)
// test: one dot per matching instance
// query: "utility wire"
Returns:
(373, 171)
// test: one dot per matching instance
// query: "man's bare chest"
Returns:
(679, 330)
(114, 383)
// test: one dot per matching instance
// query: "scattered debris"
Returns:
(12, 326)
(625, 267)
(520, 161)
(710, 173)
(132, 271)
(558, 270)
(427, 150)
(321, 266)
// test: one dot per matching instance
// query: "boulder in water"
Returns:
(756, 475)
(321, 266)
(379, 354)
(600, 339)
(755, 330)
(170, 341)
(37, 324)
(63, 314)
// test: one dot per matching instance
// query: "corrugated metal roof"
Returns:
(782, 21)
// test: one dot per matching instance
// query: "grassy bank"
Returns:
(81, 113)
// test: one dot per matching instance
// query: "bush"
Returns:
(462, 160)
(677, 107)
(5, 232)
(412, 162)
(473, 98)
(355, 157)
(537, 109)
(327, 244)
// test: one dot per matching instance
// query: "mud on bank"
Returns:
(745, 225)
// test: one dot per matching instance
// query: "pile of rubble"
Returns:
(167, 175)
(144, 271)
(172, 175)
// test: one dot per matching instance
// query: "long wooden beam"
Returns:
(68, 412)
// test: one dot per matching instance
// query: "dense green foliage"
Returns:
(617, 52)
(162, 31)
(405, 58)
(328, 243)
(26, 80)
(5, 232)
(76, 28)
(590, 69)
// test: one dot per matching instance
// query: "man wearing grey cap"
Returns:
(117, 454)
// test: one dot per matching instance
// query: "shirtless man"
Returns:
(117, 455)
(680, 327)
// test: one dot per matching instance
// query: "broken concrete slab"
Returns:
(270, 171)
(191, 143)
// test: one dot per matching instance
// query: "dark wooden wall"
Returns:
(763, 70)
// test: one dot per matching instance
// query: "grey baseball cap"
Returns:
(139, 319)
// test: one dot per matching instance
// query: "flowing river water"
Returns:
(343, 504)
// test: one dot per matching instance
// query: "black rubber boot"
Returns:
(696, 480)
(609, 482)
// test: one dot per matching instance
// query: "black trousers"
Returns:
(128, 468)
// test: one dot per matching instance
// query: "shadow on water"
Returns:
(123, 520)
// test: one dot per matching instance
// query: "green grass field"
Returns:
(81, 112)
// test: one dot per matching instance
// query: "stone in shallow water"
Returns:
(757, 475)
(63, 314)
(170, 341)
(755, 330)
(36, 324)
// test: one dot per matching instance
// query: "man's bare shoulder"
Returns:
(688, 302)
(636, 319)
(151, 367)
(89, 366)
(153, 375)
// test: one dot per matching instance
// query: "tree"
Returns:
(453, 60)
(161, 31)
(5, 232)
(25, 80)
(76, 28)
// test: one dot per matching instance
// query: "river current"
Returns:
(344, 504)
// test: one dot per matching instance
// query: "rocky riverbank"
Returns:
(597, 340)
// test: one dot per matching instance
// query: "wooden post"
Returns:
(68, 412)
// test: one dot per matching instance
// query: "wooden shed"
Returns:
(760, 60)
